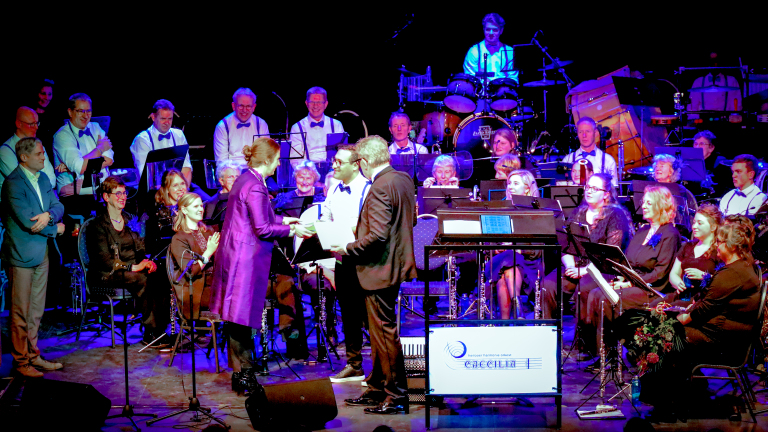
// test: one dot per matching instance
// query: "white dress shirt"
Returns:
(9, 162)
(148, 140)
(409, 148)
(69, 149)
(341, 205)
(229, 139)
(316, 139)
(744, 202)
(715, 101)
(501, 60)
(597, 163)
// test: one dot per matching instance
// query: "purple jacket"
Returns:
(241, 272)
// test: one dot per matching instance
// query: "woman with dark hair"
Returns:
(42, 106)
(241, 274)
(117, 257)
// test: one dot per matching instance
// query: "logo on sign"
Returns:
(456, 349)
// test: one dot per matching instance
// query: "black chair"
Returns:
(95, 295)
(737, 374)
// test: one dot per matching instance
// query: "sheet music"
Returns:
(462, 227)
(334, 233)
(637, 278)
(607, 289)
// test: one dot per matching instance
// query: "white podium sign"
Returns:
(493, 360)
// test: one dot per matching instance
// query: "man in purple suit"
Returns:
(383, 255)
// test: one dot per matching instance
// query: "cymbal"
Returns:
(556, 65)
(543, 83)
(712, 89)
(406, 72)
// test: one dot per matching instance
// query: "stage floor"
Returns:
(159, 389)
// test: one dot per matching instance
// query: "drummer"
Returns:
(602, 162)
(400, 128)
(500, 56)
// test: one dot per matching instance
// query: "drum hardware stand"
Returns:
(128, 408)
(194, 403)
(555, 61)
(266, 337)
(323, 340)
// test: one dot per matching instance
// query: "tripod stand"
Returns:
(322, 338)
(194, 403)
(128, 408)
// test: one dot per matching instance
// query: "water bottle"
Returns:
(686, 295)
(636, 391)
(464, 303)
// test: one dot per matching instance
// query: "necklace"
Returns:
(117, 221)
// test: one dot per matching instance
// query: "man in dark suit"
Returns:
(32, 216)
(383, 255)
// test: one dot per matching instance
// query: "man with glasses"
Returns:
(26, 127)
(309, 135)
(238, 129)
(400, 128)
(343, 204)
(602, 162)
(74, 144)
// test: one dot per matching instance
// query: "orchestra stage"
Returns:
(157, 388)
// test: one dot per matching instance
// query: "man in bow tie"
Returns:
(74, 144)
(309, 135)
(400, 128)
(343, 204)
(602, 162)
(159, 136)
(746, 199)
(238, 129)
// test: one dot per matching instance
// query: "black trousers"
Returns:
(353, 310)
(388, 374)
(241, 346)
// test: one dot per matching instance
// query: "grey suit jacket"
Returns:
(21, 247)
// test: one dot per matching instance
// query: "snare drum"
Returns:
(474, 133)
(462, 93)
(503, 94)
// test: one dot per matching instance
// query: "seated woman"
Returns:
(667, 169)
(227, 172)
(718, 326)
(117, 258)
(609, 223)
(192, 234)
(444, 171)
(576, 173)
(504, 142)
(306, 176)
(162, 212)
(697, 259)
(651, 253)
(515, 269)
(505, 165)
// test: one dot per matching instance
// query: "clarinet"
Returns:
(537, 302)
(481, 288)
(602, 350)
(453, 307)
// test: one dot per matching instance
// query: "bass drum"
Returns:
(474, 134)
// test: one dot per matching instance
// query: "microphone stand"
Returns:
(286, 112)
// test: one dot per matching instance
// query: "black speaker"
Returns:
(308, 403)
(49, 405)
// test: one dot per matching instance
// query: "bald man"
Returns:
(26, 127)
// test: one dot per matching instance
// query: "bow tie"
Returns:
(585, 154)
(402, 150)
(242, 125)
(84, 132)
(740, 193)
(346, 189)
(161, 137)
(321, 123)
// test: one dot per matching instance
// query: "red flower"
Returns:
(652, 358)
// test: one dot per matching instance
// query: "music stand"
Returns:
(311, 251)
(678, 193)
(569, 197)
(571, 238)
(431, 199)
(294, 207)
(157, 162)
(493, 190)
(693, 168)
(92, 175)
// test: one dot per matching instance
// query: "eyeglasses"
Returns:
(341, 162)
(245, 107)
(33, 124)
(121, 194)
(594, 189)
(80, 111)
(229, 177)
(316, 103)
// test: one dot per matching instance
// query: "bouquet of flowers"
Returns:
(655, 336)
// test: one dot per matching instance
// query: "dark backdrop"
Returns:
(197, 58)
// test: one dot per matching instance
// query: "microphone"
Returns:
(189, 266)
(196, 255)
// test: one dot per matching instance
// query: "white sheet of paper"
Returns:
(334, 233)
(462, 227)
(608, 290)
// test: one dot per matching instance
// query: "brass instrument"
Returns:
(537, 293)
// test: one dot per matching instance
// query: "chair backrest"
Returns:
(82, 250)
(423, 234)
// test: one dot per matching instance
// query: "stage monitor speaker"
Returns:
(49, 405)
(308, 403)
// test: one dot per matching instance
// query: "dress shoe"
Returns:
(29, 371)
(392, 406)
(594, 367)
(42, 364)
(368, 398)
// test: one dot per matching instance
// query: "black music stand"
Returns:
(638, 188)
(493, 190)
(91, 176)
(431, 199)
(571, 238)
(569, 197)
(312, 251)
(161, 157)
(294, 207)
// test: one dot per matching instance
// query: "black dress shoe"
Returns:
(394, 406)
(368, 398)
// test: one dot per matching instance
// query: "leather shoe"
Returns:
(43, 364)
(392, 406)
(368, 398)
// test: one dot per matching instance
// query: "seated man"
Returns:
(400, 127)
(747, 198)
(444, 171)
(718, 181)
(602, 162)
(74, 144)
(309, 135)
(26, 127)
(227, 172)
(239, 128)
(500, 56)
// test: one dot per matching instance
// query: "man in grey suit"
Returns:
(32, 216)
